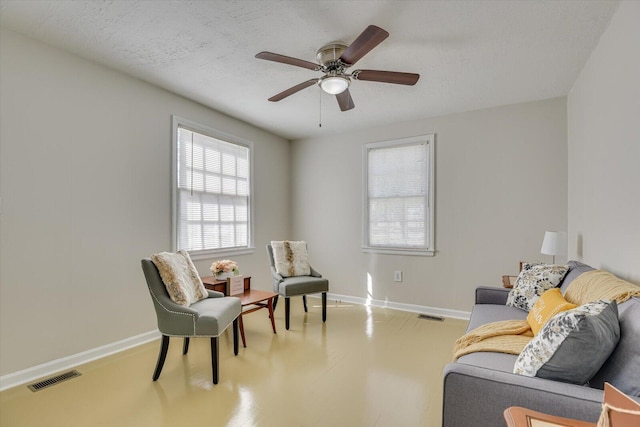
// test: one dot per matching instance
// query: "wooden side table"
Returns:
(251, 300)
(517, 416)
(258, 299)
(508, 281)
(619, 410)
(214, 284)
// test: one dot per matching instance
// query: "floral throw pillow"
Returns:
(533, 281)
(573, 345)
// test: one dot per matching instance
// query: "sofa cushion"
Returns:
(622, 369)
(532, 281)
(576, 268)
(487, 313)
(490, 360)
(573, 345)
(548, 305)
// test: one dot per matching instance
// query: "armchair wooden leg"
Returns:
(275, 301)
(235, 334)
(287, 309)
(214, 358)
(185, 346)
(324, 307)
(164, 346)
(304, 303)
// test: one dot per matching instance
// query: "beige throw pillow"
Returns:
(291, 258)
(180, 277)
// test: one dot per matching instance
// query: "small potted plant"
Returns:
(225, 268)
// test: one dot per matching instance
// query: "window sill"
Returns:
(398, 251)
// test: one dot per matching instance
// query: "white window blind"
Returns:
(212, 192)
(399, 195)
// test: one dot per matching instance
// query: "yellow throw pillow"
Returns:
(548, 305)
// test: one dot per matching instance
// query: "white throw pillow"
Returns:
(291, 258)
(180, 277)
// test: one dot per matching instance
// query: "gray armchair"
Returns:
(206, 318)
(298, 285)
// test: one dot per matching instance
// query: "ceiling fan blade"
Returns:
(386, 77)
(345, 101)
(292, 90)
(269, 56)
(371, 37)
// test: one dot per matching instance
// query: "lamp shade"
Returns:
(554, 243)
(334, 84)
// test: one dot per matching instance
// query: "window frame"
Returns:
(429, 249)
(225, 137)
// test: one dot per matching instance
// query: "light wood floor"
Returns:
(366, 366)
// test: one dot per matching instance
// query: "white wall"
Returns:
(85, 185)
(84, 180)
(604, 151)
(501, 181)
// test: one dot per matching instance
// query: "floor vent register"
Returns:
(430, 317)
(54, 380)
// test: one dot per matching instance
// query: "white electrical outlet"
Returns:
(397, 276)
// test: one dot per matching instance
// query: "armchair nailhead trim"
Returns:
(193, 317)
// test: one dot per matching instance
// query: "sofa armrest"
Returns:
(478, 396)
(491, 295)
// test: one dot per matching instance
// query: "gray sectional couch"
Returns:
(479, 386)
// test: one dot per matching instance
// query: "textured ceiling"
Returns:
(470, 54)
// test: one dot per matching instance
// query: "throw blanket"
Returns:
(599, 285)
(506, 336)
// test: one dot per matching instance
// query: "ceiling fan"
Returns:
(333, 60)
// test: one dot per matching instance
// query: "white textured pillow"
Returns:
(180, 277)
(533, 281)
(291, 258)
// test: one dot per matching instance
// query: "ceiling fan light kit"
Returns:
(334, 85)
(333, 60)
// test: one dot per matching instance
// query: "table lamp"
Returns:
(554, 243)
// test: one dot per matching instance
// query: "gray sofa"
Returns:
(479, 386)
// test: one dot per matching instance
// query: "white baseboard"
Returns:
(50, 368)
(413, 308)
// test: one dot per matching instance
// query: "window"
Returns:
(211, 191)
(398, 196)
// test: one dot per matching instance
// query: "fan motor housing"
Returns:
(328, 56)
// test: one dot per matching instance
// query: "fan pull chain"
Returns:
(320, 112)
